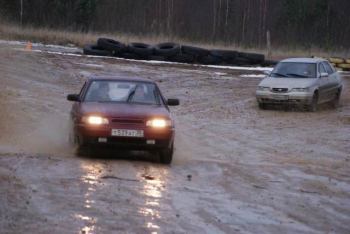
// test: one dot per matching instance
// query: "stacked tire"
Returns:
(227, 57)
(114, 47)
(250, 58)
(340, 63)
(96, 50)
(173, 52)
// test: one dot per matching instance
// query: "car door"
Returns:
(323, 84)
(333, 79)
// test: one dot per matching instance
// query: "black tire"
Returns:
(262, 106)
(225, 55)
(312, 107)
(83, 151)
(95, 50)
(128, 55)
(167, 49)
(157, 58)
(83, 148)
(209, 60)
(141, 49)
(111, 45)
(252, 57)
(182, 58)
(166, 155)
(195, 51)
(239, 61)
(335, 102)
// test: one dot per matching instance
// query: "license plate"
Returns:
(127, 133)
(280, 97)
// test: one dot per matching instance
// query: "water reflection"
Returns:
(87, 230)
(151, 225)
(90, 178)
(152, 190)
(148, 203)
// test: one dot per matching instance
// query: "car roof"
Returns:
(303, 60)
(117, 78)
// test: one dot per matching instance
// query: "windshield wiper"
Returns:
(297, 75)
(131, 94)
(278, 74)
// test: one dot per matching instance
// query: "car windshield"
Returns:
(122, 91)
(294, 70)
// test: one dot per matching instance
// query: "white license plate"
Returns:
(127, 133)
(280, 97)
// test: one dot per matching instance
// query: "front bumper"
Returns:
(268, 97)
(101, 136)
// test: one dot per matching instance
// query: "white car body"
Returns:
(324, 86)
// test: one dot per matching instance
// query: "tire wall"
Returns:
(174, 52)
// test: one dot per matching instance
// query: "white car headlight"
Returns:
(300, 90)
(95, 120)
(263, 88)
(159, 123)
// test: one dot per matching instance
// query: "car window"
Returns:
(328, 68)
(334, 70)
(122, 91)
(321, 68)
(294, 70)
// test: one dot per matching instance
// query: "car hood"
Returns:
(123, 110)
(290, 83)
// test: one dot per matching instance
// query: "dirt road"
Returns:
(236, 169)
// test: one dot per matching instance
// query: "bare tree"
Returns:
(302, 23)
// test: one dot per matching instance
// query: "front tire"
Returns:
(335, 102)
(83, 148)
(166, 155)
(83, 151)
(313, 106)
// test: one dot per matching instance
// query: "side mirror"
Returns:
(173, 102)
(73, 97)
(324, 74)
(267, 73)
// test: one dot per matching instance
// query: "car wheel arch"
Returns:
(340, 89)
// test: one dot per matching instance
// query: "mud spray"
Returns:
(48, 135)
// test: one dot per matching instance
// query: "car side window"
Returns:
(328, 68)
(334, 70)
(321, 68)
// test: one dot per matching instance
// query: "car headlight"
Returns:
(158, 123)
(95, 120)
(300, 90)
(263, 88)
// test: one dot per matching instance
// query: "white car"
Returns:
(301, 81)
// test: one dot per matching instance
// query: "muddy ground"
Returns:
(236, 169)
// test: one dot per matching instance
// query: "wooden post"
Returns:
(268, 44)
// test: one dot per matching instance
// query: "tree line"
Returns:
(291, 23)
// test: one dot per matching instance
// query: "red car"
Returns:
(126, 113)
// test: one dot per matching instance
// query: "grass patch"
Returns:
(60, 37)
